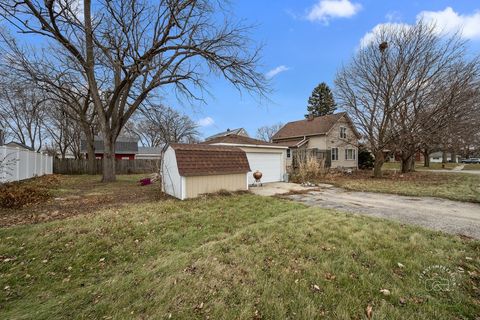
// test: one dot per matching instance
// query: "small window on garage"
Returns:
(288, 153)
(334, 154)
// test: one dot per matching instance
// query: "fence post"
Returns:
(17, 165)
(3, 175)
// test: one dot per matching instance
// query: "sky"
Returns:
(305, 42)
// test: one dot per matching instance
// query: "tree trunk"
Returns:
(453, 156)
(108, 158)
(426, 158)
(90, 148)
(377, 166)
(407, 163)
(444, 156)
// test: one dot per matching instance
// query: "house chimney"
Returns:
(310, 117)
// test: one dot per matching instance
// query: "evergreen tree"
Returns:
(321, 101)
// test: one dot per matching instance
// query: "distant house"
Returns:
(334, 137)
(125, 147)
(152, 153)
(14, 144)
(228, 132)
(437, 157)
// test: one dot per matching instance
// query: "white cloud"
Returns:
(370, 36)
(325, 10)
(275, 71)
(448, 21)
(205, 122)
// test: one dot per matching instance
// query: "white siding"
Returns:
(171, 180)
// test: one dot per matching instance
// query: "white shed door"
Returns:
(269, 164)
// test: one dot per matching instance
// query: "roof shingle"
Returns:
(227, 132)
(204, 159)
(237, 139)
(319, 125)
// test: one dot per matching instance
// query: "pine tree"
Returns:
(321, 101)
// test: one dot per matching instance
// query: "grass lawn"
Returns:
(461, 186)
(471, 166)
(419, 166)
(225, 257)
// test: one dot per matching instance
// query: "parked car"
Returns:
(471, 160)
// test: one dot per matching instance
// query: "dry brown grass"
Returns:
(461, 187)
(309, 169)
(60, 196)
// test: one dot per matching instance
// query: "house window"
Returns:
(350, 154)
(288, 153)
(334, 154)
(343, 132)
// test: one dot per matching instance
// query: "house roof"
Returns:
(239, 140)
(150, 150)
(123, 145)
(204, 159)
(316, 126)
(226, 133)
(294, 143)
(19, 145)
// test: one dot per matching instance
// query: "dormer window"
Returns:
(343, 132)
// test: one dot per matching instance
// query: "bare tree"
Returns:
(140, 46)
(63, 131)
(391, 88)
(157, 125)
(22, 110)
(266, 133)
(62, 80)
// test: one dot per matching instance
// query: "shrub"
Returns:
(311, 169)
(365, 159)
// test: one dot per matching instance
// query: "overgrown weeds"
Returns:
(310, 170)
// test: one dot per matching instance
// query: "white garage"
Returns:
(269, 164)
(268, 158)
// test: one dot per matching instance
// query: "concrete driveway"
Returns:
(438, 214)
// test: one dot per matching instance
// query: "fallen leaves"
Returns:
(330, 276)
(369, 311)
(385, 292)
(315, 288)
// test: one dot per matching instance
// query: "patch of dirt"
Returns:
(85, 195)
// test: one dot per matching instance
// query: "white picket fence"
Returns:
(20, 164)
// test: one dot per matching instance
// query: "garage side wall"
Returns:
(171, 180)
(194, 186)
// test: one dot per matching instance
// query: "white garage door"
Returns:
(269, 164)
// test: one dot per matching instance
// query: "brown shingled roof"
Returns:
(237, 139)
(292, 143)
(319, 125)
(203, 159)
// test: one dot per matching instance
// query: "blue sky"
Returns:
(307, 41)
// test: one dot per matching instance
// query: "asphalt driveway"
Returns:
(439, 214)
